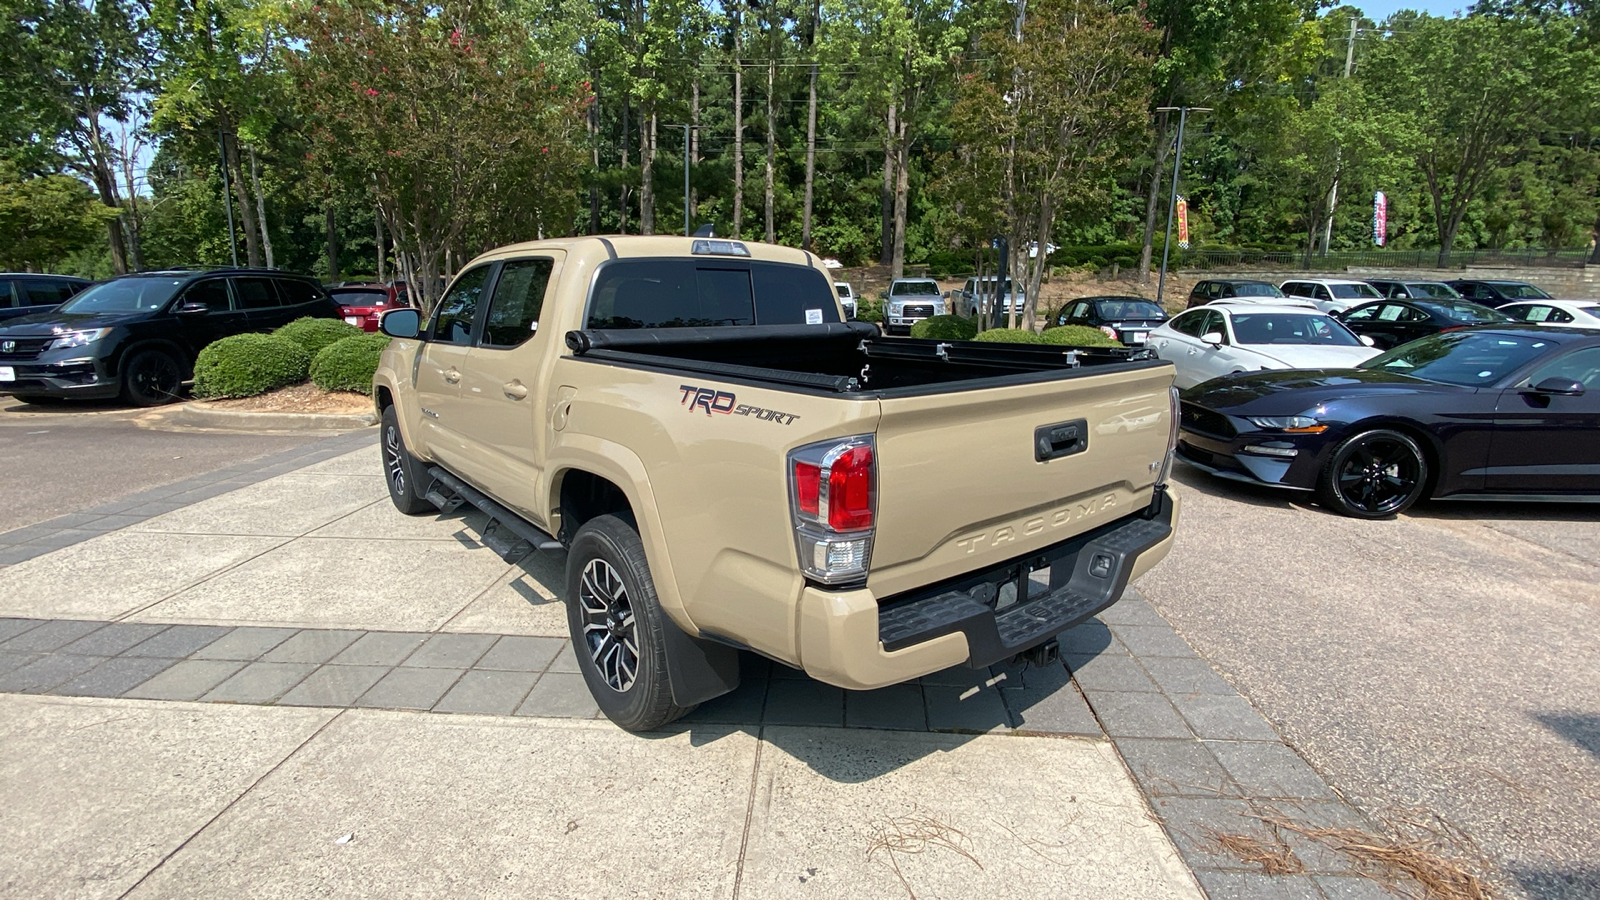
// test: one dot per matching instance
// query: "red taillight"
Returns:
(850, 490)
(808, 487)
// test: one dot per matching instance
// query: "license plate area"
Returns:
(8, 373)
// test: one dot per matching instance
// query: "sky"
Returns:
(1378, 10)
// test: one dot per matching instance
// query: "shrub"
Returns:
(869, 310)
(946, 328)
(348, 365)
(1011, 336)
(1078, 336)
(245, 365)
(314, 334)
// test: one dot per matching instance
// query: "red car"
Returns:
(362, 303)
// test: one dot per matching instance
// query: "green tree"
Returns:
(45, 218)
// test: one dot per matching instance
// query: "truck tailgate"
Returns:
(961, 485)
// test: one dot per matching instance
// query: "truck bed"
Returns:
(848, 358)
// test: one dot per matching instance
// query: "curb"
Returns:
(196, 414)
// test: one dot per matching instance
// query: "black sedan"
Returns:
(1508, 412)
(1497, 293)
(1391, 323)
(1127, 319)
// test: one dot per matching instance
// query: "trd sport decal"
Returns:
(723, 402)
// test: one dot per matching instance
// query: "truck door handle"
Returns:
(1062, 439)
(515, 390)
(452, 375)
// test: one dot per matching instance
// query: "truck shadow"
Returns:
(857, 736)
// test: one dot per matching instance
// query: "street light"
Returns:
(1172, 202)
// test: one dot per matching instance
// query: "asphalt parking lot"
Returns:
(1446, 661)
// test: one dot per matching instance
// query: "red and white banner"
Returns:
(1183, 223)
(1380, 218)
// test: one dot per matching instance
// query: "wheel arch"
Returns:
(172, 348)
(1432, 450)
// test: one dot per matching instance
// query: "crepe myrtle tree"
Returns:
(442, 112)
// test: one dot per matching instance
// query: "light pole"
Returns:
(1172, 202)
(227, 203)
(687, 229)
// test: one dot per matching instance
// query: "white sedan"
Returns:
(1217, 339)
(1573, 313)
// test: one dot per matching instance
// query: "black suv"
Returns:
(23, 293)
(1497, 293)
(136, 336)
(1224, 288)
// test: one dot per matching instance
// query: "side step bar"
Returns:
(448, 492)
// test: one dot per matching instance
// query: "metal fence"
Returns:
(1387, 259)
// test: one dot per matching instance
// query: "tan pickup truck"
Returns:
(729, 465)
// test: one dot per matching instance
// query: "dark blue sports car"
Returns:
(1506, 411)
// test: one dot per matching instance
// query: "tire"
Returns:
(1374, 475)
(151, 378)
(400, 468)
(614, 617)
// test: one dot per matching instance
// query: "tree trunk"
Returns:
(738, 129)
(1157, 170)
(594, 159)
(1594, 255)
(247, 212)
(332, 241)
(377, 222)
(647, 188)
(811, 158)
(694, 149)
(772, 146)
(135, 230)
(1033, 275)
(902, 190)
(886, 199)
(622, 217)
(261, 209)
(105, 183)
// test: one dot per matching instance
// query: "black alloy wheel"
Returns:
(617, 626)
(1374, 475)
(399, 469)
(151, 378)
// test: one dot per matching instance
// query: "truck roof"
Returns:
(600, 247)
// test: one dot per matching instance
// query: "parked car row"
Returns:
(1339, 294)
(137, 336)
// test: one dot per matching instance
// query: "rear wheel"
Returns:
(1374, 475)
(151, 378)
(618, 629)
(399, 469)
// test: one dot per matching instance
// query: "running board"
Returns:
(507, 534)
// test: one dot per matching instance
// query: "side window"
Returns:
(296, 292)
(1468, 290)
(1320, 292)
(1582, 366)
(1528, 313)
(1221, 289)
(1559, 315)
(255, 293)
(518, 296)
(1214, 322)
(1365, 313)
(1079, 310)
(1392, 312)
(1293, 289)
(1189, 323)
(9, 296)
(41, 292)
(213, 293)
(452, 324)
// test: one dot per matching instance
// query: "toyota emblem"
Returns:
(8, 347)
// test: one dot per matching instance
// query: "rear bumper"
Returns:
(853, 640)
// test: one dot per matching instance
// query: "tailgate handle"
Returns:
(1062, 439)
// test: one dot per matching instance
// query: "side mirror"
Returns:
(401, 323)
(1214, 338)
(1563, 386)
(1367, 339)
(193, 309)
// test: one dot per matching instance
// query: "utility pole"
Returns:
(227, 204)
(687, 131)
(1172, 202)
(1333, 192)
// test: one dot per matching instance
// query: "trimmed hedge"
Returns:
(945, 328)
(869, 310)
(1010, 336)
(347, 365)
(314, 334)
(1078, 336)
(245, 365)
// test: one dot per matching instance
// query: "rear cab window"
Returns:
(701, 293)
